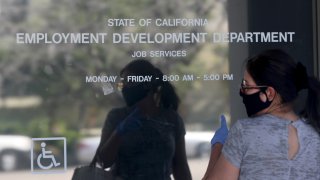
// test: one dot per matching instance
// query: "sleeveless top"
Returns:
(148, 152)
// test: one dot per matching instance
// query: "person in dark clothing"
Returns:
(145, 139)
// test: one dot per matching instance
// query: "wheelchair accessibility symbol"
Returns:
(46, 155)
(46, 158)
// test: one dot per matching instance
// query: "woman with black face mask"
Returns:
(145, 139)
(274, 142)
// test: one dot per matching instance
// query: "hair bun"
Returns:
(301, 77)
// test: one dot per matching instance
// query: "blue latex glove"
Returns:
(131, 123)
(221, 134)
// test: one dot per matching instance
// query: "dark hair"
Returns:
(169, 98)
(277, 69)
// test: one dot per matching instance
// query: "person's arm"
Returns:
(215, 154)
(229, 162)
(217, 142)
(223, 169)
(110, 148)
(180, 165)
(107, 130)
(110, 144)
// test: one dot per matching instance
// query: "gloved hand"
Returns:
(131, 123)
(221, 134)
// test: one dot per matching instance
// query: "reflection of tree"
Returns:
(57, 72)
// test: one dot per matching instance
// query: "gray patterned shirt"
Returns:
(259, 147)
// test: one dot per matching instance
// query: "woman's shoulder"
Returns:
(117, 114)
(258, 120)
(118, 110)
(172, 117)
(249, 121)
(171, 114)
(254, 124)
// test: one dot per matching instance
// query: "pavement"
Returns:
(197, 167)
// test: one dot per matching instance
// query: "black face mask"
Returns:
(253, 103)
(134, 94)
